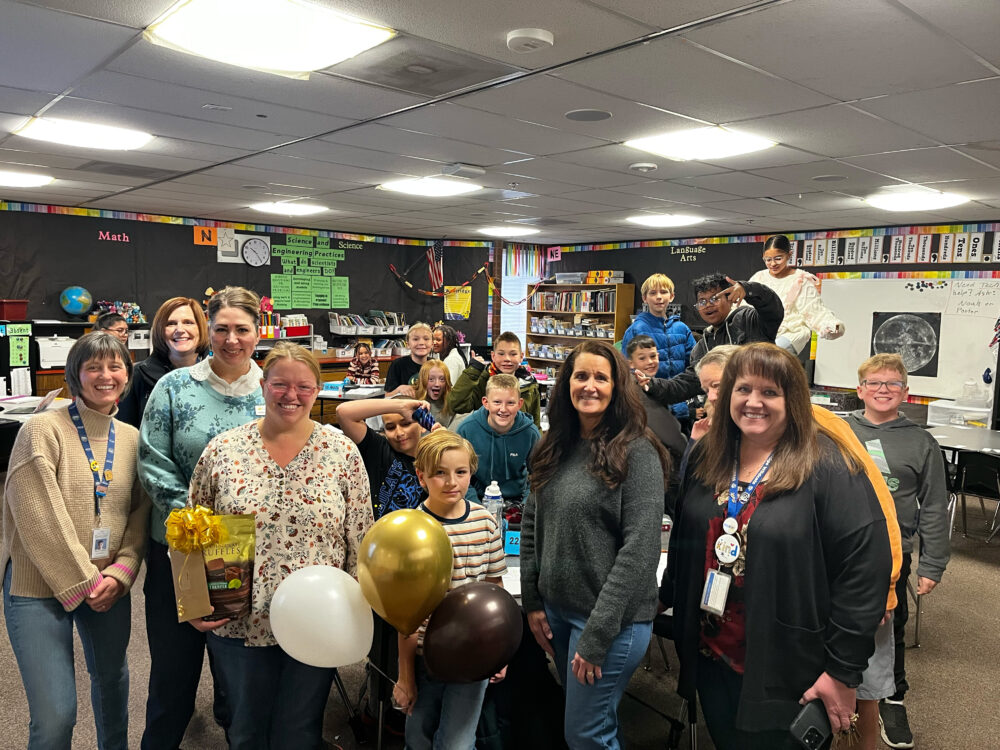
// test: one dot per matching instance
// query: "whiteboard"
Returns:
(967, 309)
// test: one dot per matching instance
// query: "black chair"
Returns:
(979, 475)
(663, 629)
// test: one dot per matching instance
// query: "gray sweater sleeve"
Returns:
(641, 512)
(530, 598)
(933, 525)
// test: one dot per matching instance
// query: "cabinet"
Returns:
(562, 315)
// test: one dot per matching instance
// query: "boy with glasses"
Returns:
(911, 463)
(114, 324)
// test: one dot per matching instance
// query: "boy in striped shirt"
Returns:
(440, 714)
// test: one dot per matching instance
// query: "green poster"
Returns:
(322, 242)
(19, 351)
(330, 270)
(301, 292)
(19, 329)
(298, 240)
(321, 292)
(281, 291)
(338, 253)
(308, 271)
(340, 293)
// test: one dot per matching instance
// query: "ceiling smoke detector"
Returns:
(643, 167)
(524, 41)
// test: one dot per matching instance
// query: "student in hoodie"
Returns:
(179, 336)
(720, 303)
(911, 462)
(673, 338)
(503, 437)
(468, 392)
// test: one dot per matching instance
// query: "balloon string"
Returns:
(371, 664)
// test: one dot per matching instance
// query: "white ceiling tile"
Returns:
(673, 191)
(738, 183)
(617, 158)
(953, 114)
(971, 22)
(624, 200)
(674, 13)
(348, 177)
(135, 13)
(488, 129)
(30, 34)
(32, 157)
(681, 78)
(339, 153)
(834, 131)
(183, 101)
(753, 207)
(409, 143)
(546, 100)
(776, 156)
(987, 151)
(321, 93)
(550, 206)
(820, 201)
(846, 49)
(801, 175)
(20, 102)
(925, 165)
(988, 189)
(572, 174)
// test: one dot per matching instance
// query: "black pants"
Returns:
(176, 652)
(899, 618)
(719, 694)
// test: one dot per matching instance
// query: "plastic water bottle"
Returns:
(493, 501)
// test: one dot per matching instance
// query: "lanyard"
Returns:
(101, 480)
(737, 499)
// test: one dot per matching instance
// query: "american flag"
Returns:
(435, 264)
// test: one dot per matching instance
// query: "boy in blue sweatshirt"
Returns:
(503, 437)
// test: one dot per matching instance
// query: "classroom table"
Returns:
(956, 438)
(354, 394)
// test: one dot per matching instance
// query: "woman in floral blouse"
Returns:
(309, 492)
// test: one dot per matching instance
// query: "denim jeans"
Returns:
(591, 718)
(445, 715)
(41, 635)
(275, 701)
(176, 653)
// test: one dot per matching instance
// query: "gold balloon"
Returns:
(404, 567)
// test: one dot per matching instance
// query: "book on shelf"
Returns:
(597, 301)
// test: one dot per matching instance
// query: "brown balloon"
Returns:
(472, 634)
(404, 567)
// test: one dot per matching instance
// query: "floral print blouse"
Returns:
(315, 511)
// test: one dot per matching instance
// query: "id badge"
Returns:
(259, 410)
(100, 544)
(716, 591)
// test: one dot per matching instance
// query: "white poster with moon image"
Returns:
(941, 324)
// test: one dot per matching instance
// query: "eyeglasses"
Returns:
(713, 300)
(117, 331)
(775, 259)
(280, 389)
(893, 386)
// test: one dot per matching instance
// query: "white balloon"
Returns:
(320, 617)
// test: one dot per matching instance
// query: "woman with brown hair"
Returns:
(179, 338)
(596, 500)
(763, 627)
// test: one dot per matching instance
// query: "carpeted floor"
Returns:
(953, 675)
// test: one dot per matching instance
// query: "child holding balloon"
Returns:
(445, 714)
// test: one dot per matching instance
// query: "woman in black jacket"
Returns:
(179, 337)
(779, 560)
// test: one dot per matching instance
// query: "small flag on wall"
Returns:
(435, 265)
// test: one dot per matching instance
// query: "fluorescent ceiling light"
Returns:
(508, 231)
(914, 199)
(289, 209)
(431, 187)
(83, 134)
(665, 220)
(702, 144)
(23, 179)
(284, 37)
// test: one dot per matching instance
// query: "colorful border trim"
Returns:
(910, 275)
(752, 238)
(100, 213)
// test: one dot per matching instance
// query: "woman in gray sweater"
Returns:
(590, 538)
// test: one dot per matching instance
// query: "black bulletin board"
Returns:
(41, 254)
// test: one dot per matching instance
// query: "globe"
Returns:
(75, 300)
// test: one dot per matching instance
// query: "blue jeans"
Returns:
(445, 715)
(591, 719)
(275, 701)
(41, 634)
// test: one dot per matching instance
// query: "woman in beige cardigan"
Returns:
(74, 526)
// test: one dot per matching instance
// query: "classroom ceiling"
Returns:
(860, 93)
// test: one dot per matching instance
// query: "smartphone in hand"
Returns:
(811, 728)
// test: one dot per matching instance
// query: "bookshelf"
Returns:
(562, 315)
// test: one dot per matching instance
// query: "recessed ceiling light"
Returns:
(665, 220)
(587, 115)
(83, 134)
(285, 37)
(701, 144)
(508, 231)
(289, 209)
(23, 179)
(431, 187)
(914, 199)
